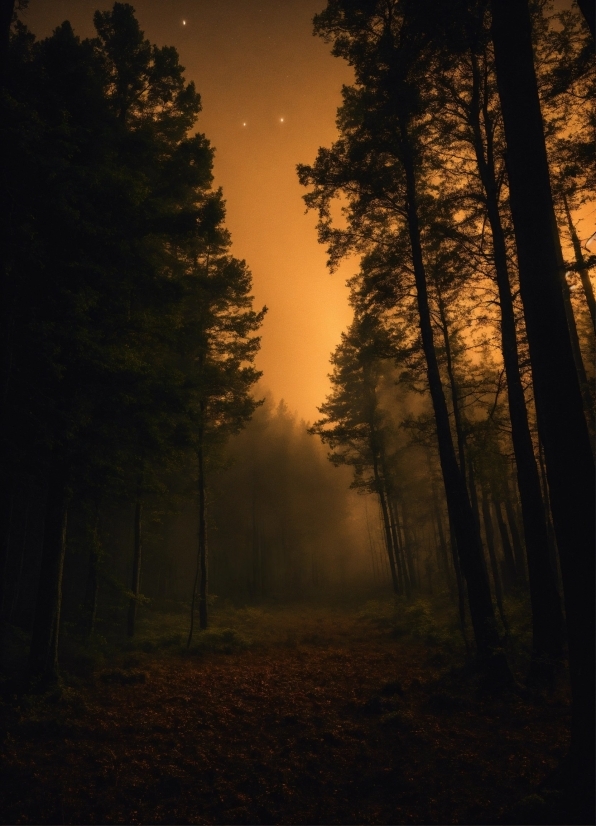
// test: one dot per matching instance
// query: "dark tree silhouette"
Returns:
(563, 429)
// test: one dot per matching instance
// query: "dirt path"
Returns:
(292, 734)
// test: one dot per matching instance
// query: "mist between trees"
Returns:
(143, 465)
(282, 526)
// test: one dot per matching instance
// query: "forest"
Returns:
(214, 611)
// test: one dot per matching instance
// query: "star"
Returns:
(184, 22)
(281, 120)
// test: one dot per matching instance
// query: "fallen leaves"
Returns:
(370, 732)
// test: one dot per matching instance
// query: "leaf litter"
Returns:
(340, 723)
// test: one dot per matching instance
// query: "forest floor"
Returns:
(301, 715)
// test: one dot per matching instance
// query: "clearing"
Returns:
(284, 715)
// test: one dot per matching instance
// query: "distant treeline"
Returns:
(282, 526)
(464, 158)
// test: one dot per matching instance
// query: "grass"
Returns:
(302, 624)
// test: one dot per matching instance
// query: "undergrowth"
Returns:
(163, 630)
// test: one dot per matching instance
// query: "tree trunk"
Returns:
(256, 554)
(395, 540)
(466, 472)
(378, 442)
(380, 485)
(203, 618)
(405, 560)
(457, 417)
(402, 573)
(201, 569)
(43, 653)
(561, 422)
(388, 536)
(547, 615)
(461, 594)
(370, 543)
(428, 570)
(7, 288)
(92, 588)
(587, 9)
(460, 511)
(584, 384)
(136, 571)
(474, 495)
(17, 586)
(91, 593)
(518, 548)
(512, 577)
(490, 544)
(581, 264)
(444, 556)
(7, 506)
(552, 539)
(408, 546)
(6, 12)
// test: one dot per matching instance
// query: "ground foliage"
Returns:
(285, 715)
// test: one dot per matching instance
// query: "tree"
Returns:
(561, 422)
(217, 338)
(471, 117)
(588, 12)
(95, 394)
(381, 164)
(354, 425)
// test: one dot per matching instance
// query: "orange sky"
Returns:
(256, 62)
